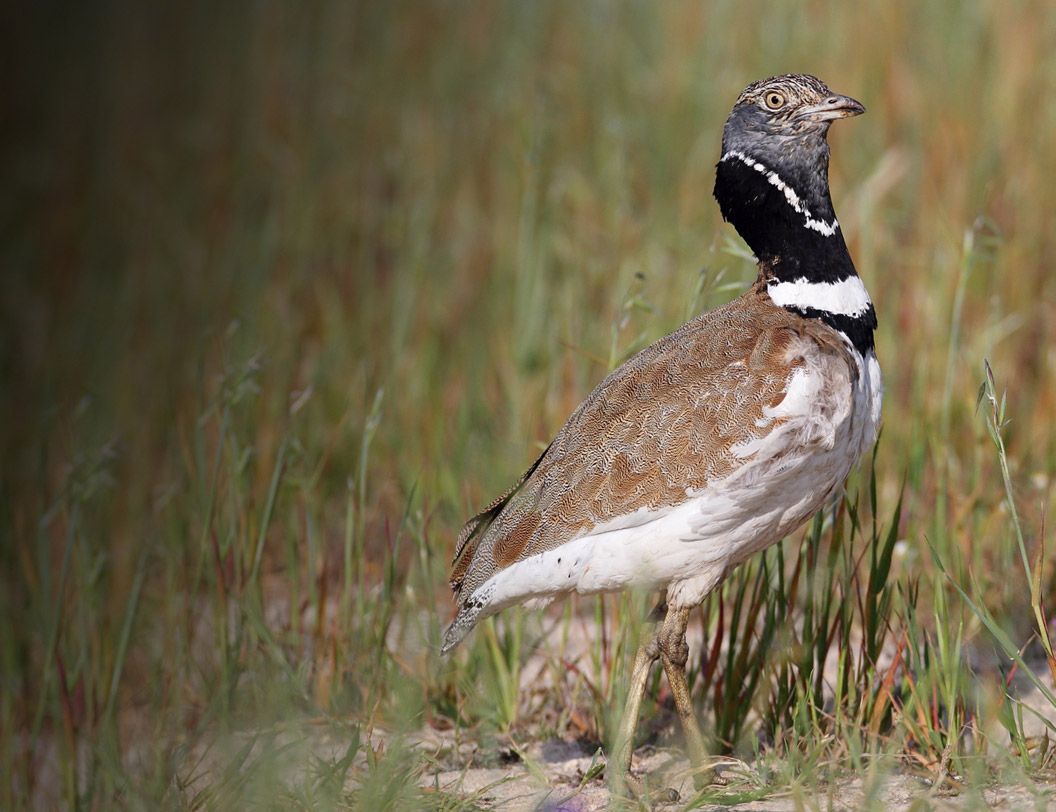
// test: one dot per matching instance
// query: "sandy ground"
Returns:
(556, 775)
(555, 782)
(551, 776)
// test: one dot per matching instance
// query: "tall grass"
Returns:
(290, 290)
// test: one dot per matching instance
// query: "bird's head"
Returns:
(782, 115)
(774, 168)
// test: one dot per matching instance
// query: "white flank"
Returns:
(822, 227)
(871, 395)
(848, 297)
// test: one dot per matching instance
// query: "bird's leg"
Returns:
(674, 652)
(648, 653)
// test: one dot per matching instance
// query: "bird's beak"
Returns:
(832, 108)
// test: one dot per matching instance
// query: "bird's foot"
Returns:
(649, 796)
(705, 777)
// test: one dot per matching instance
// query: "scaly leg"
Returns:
(648, 653)
(674, 652)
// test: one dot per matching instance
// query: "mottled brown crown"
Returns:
(797, 89)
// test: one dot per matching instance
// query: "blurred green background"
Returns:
(281, 279)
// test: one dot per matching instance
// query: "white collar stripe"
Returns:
(848, 297)
(822, 227)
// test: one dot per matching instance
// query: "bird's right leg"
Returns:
(648, 653)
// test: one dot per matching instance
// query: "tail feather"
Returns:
(469, 612)
(461, 626)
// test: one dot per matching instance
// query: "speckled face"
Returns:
(778, 130)
(790, 105)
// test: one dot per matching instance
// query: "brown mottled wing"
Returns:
(662, 423)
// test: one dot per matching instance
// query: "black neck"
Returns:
(795, 240)
(778, 234)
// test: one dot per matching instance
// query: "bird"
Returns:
(716, 441)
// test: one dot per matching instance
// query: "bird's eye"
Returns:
(775, 100)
